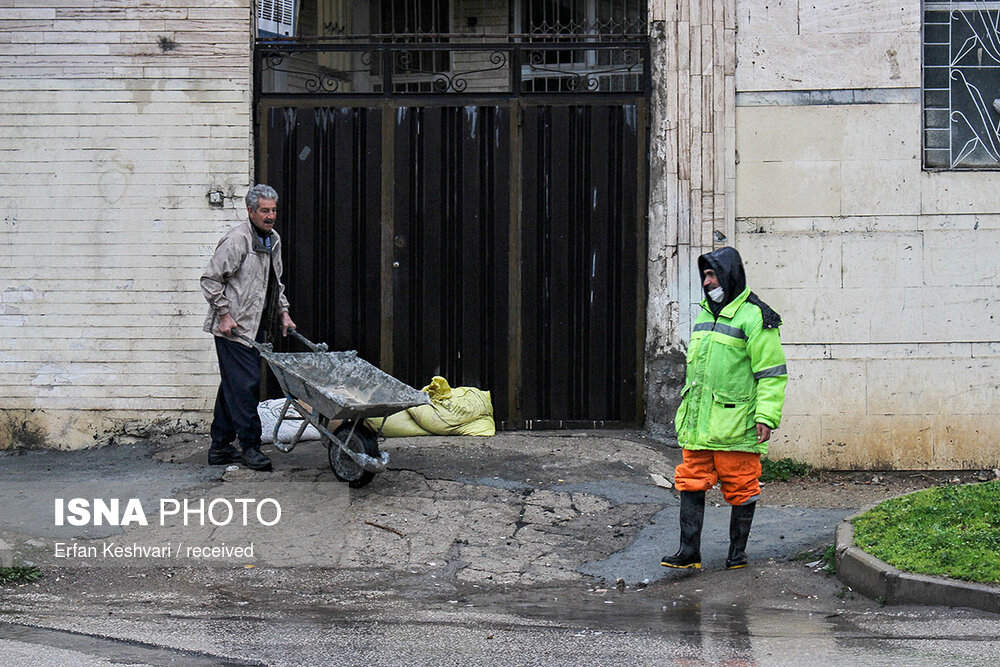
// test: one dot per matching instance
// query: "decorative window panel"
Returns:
(961, 84)
(580, 70)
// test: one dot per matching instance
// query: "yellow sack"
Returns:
(452, 411)
(398, 425)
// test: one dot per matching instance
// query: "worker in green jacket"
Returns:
(733, 393)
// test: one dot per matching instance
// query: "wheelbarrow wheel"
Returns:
(362, 441)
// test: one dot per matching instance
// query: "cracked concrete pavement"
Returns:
(521, 548)
(515, 509)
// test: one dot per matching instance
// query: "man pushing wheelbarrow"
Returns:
(332, 391)
(242, 284)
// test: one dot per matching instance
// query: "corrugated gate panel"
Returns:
(326, 165)
(579, 239)
(450, 226)
(449, 170)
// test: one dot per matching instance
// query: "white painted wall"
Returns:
(886, 275)
(117, 119)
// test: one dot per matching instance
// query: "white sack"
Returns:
(269, 412)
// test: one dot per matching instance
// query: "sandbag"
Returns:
(452, 411)
(398, 425)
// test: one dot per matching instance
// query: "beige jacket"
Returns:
(235, 280)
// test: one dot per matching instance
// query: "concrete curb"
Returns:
(6, 555)
(878, 580)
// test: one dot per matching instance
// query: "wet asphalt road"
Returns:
(530, 632)
(468, 551)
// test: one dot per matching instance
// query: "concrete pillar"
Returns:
(692, 179)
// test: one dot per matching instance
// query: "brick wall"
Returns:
(118, 118)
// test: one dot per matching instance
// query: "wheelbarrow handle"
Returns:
(261, 347)
(315, 347)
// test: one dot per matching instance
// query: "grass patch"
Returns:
(824, 558)
(782, 470)
(830, 560)
(19, 575)
(948, 530)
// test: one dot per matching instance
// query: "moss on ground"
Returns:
(19, 575)
(950, 530)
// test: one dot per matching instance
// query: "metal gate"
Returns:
(495, 239)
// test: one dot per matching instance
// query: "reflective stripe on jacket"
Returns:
(235, 280)
(736, 377)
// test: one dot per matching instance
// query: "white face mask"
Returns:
(716, 294)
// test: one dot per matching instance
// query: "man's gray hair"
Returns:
(260, 191)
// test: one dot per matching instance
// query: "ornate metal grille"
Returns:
(415, 71)
(579, 70)
(961, 84)
(492, 69)
(580, 17)
(386, 47)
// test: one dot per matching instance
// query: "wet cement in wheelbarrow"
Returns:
(344, 376)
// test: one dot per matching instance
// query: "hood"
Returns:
(728, 267)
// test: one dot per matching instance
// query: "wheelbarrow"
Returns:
(326, 386)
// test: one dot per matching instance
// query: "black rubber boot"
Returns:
(688, 557)
(739, 530)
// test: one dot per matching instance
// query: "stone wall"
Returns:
(885, 274)
(692, 184)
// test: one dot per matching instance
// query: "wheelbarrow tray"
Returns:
(340, 385)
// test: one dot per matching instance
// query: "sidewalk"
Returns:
(523, 547)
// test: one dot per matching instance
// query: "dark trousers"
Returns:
(236, 403)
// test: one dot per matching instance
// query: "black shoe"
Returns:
(220, 456)
(255, 460)
(739, 530)
(688, 557)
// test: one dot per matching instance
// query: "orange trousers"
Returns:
(739, 473)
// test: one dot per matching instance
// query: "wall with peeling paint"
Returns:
(885, 275)
(692, 182)
(117, 121)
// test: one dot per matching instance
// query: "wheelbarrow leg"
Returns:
(289, 446)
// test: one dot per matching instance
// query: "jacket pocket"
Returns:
(730, 418)
(681, 411)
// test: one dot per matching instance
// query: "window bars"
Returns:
(491, 69)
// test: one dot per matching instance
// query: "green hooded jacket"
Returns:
(736, 372)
